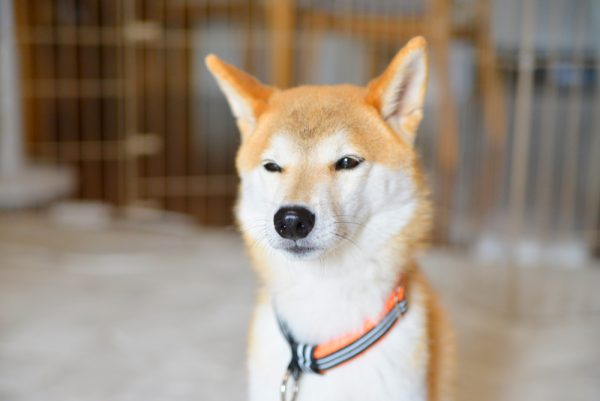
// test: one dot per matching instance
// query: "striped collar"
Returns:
(319, 358)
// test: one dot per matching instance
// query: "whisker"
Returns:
(348, 222)
(345, 238)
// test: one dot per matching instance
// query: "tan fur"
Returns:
(440, 343)
(308, 113)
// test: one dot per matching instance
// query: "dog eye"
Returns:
(347, 163)
(272, 167)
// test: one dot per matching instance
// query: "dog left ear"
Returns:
(399, 92)
(246, 96)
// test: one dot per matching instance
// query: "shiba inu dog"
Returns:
(333, 207)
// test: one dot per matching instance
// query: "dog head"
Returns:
(327, 168)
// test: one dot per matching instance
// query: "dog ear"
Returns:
(399, 92)
(246, 96)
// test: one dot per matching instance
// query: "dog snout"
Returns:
(294, 222)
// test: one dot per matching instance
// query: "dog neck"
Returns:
(332, 296)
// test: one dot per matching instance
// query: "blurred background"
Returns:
(121, 276)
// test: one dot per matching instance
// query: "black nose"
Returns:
(293, 222)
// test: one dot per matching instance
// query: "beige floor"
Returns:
(149, 313)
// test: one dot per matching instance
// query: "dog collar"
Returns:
(319, 358)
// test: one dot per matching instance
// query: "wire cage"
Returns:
(117, 90)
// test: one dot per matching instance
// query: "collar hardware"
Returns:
(289, 379)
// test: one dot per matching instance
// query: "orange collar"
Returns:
(319, 358)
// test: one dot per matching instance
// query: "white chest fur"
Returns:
(395, 368)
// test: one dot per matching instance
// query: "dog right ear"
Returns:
(399, 93)
(246, 96)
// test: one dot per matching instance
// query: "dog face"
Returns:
(327, 168)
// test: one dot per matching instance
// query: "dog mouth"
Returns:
(300, 250)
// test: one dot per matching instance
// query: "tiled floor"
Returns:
(124, 313)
